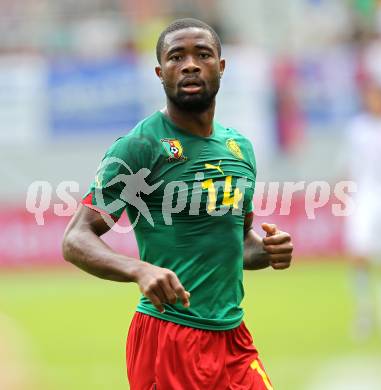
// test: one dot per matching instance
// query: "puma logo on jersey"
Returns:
(216, 167)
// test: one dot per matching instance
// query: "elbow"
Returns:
(67, 246)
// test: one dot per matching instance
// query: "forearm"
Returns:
(255, 257)
(90, 253)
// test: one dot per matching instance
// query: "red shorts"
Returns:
(166, 356)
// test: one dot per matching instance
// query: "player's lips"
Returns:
(192, 88)
(192, 85)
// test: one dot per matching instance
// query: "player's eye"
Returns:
(204, 56)
(175, 58)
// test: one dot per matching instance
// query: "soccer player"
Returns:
(363, 227)
(196, 238)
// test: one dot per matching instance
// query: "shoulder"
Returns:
(230, 133)
(142, 133)
(141, 136)
(237, 141)
(136, 147)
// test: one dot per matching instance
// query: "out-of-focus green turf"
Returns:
(76, 325)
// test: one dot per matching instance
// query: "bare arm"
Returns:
(83, 247)
(274, 250)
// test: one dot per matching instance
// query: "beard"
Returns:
(196, 103)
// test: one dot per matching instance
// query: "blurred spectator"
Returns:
(372, 60)
(288, 115)
(363, 230)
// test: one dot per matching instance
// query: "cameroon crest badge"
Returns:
(234, 148)
(174, 149)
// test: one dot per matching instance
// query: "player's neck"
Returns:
(200, 124)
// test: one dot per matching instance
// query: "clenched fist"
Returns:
(160, 286)
(278, 246)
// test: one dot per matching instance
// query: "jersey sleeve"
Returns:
(250, 207)
(253, 164)
(123, 159)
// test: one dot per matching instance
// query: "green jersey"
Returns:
(186, 197)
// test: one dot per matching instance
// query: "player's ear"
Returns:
(222, 66)
(158, 72)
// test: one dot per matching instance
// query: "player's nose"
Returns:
(190, 66)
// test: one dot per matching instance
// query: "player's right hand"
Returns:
(160, 286)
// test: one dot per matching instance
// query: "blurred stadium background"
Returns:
(74, 75)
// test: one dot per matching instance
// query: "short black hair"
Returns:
(181, 24)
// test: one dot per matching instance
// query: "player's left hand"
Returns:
(278, 246)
